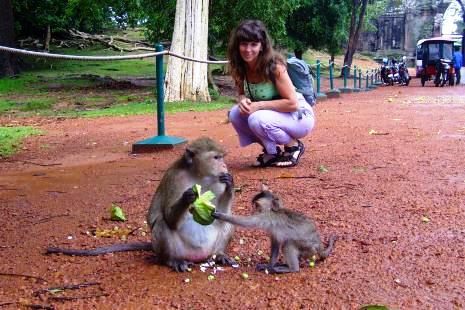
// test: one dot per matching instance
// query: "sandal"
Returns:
(267, 160)
(291, 155)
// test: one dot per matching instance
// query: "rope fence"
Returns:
(372, 80)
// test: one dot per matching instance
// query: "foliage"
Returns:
(10, 138)
(426, 31)
(159, 19)
(32, 16)
(225, 15)
(318, 24)
(374, 10)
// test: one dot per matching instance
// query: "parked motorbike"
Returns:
(395, 76)
(386, 73)
(403, 72)
(444, 73)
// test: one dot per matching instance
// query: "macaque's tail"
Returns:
(122, 247)
(325, 253)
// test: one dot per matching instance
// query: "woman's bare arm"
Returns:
(288, 101)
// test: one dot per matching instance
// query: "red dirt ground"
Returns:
(374, 197)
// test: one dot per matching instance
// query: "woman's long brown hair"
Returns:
(252, 31)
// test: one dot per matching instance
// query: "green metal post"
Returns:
(318, 85)
(355, 76)
(160, 91)
(346, 68)
(372, 76)
(360, 78)
(345, 72)
(161, 141)
(366, 81)
(319, 94)
(331, 82)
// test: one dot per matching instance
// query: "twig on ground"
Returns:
(32, 306)
(299, 177)
(7, 303)
(34, 163)
(38, 306)
(22, 275)
(67, 298)
(46, 219)
(65, 287)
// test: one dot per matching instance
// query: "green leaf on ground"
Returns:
(116, 213)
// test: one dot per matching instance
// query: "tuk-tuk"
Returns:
(434, 61)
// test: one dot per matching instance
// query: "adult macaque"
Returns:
(289, 230)
(177, 240)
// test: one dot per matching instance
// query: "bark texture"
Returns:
(187, 80)
(8, 62)
(356, 24)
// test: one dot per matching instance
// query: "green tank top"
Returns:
(260, 91)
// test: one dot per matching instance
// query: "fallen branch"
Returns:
(22, 275)
(65, 287)
(110, 41)
(68, 298)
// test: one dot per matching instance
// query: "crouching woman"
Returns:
(268, 111)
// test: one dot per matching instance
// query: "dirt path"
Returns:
(374, 197)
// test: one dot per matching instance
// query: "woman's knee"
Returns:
(234, 115)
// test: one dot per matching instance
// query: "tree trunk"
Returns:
(356, 24)
(8, 62)
(187, 80)
(48, 37)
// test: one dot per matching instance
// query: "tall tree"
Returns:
(356, 23)
(187, 80)
(318, 24)
(8, 64)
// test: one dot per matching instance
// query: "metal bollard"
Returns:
(161, 141)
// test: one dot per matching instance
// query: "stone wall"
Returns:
(401, 27)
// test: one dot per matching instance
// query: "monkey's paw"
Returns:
(189, 196)
(181, 266)
(225, 260)
(227, 179)
(263, 267)
(217, 215)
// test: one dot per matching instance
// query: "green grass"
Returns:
(33, 105)
(16, 84)
(44, 71)
(11, 137)
(148, 107)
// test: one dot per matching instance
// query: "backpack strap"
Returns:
(248, 87)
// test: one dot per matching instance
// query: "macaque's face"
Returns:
(211, 163)
(262, 204)
(249, 51)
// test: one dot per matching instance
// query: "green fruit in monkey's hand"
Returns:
(202, 208)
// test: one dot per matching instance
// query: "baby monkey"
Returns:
(290, 231)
